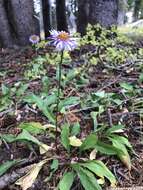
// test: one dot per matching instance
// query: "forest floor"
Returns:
(14, 64)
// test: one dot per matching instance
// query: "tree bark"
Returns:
(46, 16)
(82, 16)
(6, 39)
(103, 12)
(23, 19)
(61, 15)
(137, 8)
(122, 8)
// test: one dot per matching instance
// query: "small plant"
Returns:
(106, 46)
(12, 95)
(36, 69)
(73, 150)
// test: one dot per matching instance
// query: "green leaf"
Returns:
(123, 154)
(8, 137)
(24, 135)
(41, 105)
(45, 84)
(100, 94)
(94, 117)
(67, 181)
(20, 91)
(89, 142)
(52, 99)
(100, 169)
(69, 101)
(141, 77)
(115, 129)
(117, 101)
(54, 165)
(7, 165)
(71, 74)
(87, 179)
(65, 137)
(75, 129)
(105, 148)
(32, 127)
(122, 140)
(5, 89)
(127, 86)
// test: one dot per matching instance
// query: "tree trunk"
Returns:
(137, 7)
(23, 19)
(82, 17)
(122, 8)
(104, 12)
(61, 15)
(41, 22)
(6, 39)
(46, 16)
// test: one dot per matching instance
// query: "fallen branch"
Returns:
(12, 177)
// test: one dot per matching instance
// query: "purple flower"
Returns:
(62, 40)
(34, 39)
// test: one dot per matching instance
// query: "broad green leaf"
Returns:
(32, 127)
(89, 142)
(20, 91)
(71, 74)
(105, 148)
(69, 101)
(117, 101)
(67, 181)
(141, 77)
(123, 140)
(115, 129)
(100, 169)
(5, 89)
(126, 86)
(7, 165)
(87, 178)
(74, 141)
(54, 165)
(100, 94)
(32, 99)
(65, 137)
(123, 155)
(50, 100)
(8, 138)
(26, 136)
(75, 129)
(41, 105)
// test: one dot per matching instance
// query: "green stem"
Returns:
(58, 96)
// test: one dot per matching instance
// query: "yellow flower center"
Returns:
(34, 38)
(63, 36)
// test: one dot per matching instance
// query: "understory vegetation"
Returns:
(98, 143)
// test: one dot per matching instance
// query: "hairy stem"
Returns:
(58, 96)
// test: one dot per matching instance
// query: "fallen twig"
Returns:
(10, 178)
(110, 117)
